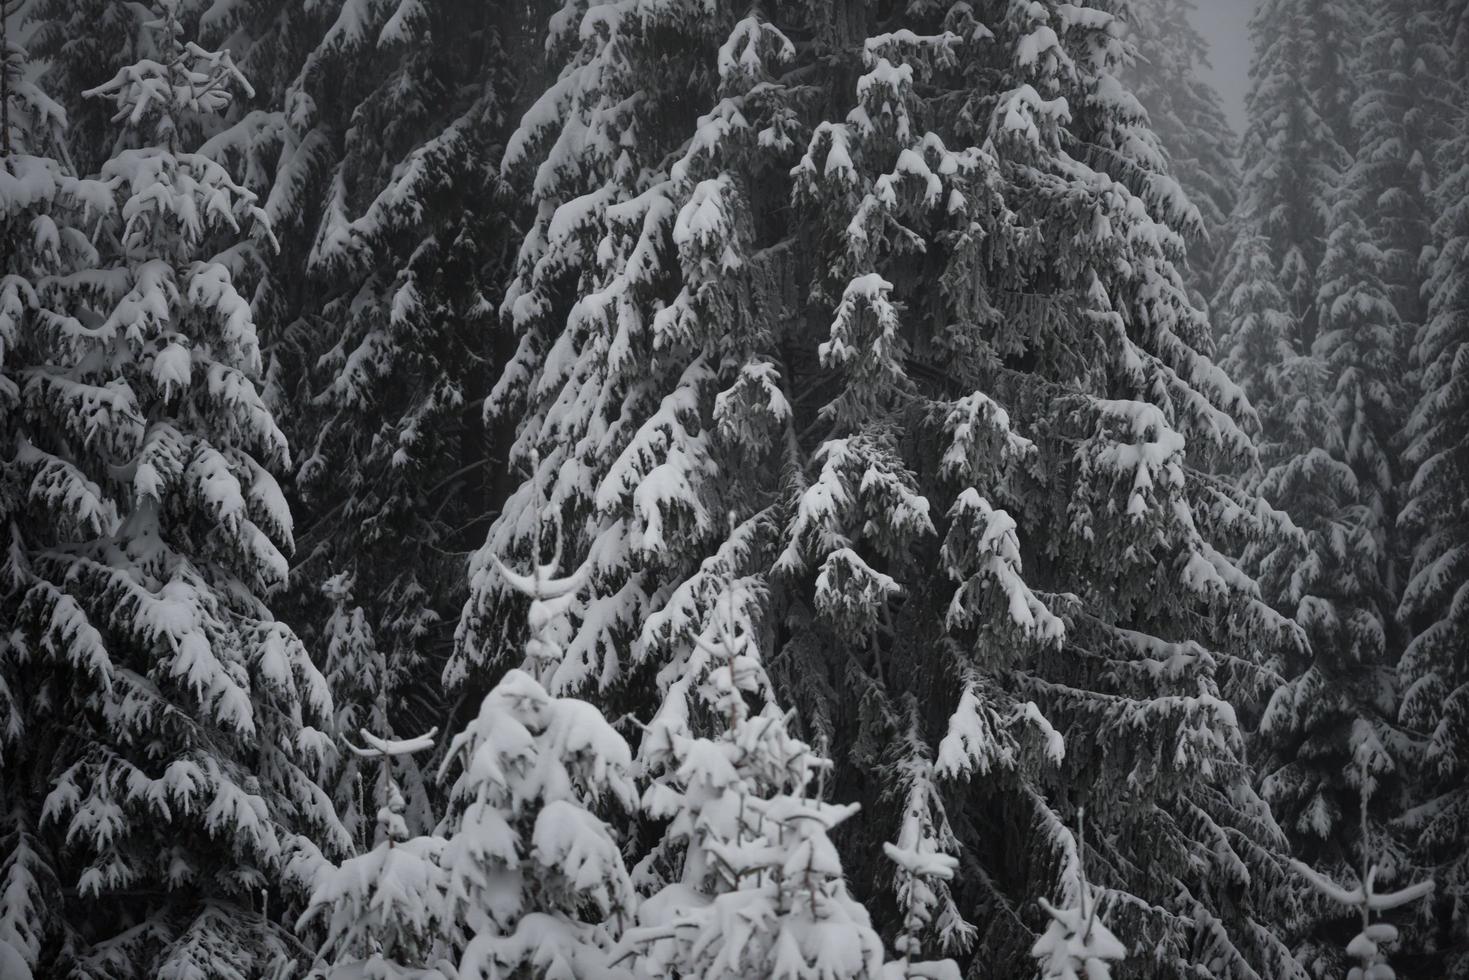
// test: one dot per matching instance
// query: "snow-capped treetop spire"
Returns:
(1366, 946)
(551, 597)
(152, 94)
(390, 804)
(383, 909)
(1077, 945)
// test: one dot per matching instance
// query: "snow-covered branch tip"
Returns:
(390, 747)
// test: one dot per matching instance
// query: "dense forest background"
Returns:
(690, 488)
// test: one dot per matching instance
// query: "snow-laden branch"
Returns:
(384, 747)
(1363, 895)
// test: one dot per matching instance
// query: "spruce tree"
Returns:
(900, 290)
(38, 202)
(1186, 114)
(1337, 466)
(159, 742)
(1295, 337)
(535, 876)
(748, 882)
(1435, 601)
(384, 910)
(371, 149)
(1331, 376)
(375, 158)
(523, 876)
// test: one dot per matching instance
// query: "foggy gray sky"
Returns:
(1225, 23)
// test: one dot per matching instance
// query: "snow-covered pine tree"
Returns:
(1332, 383)
(935, 355)
(1339, 482)
(37, 240)
(1339, 472)
(1297, 144)
(751, 884)
(158, 721)
(611, 376)
(1185, 112)
(535, 876)
(383, 910)
(374, 159)
(1366, 947)
(1077, 945)
(1294, 156)
(357, 671)
(1435, 602)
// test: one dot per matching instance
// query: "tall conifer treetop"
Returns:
(160, 748)
(899, 289)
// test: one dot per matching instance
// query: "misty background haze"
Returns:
(1226, 25)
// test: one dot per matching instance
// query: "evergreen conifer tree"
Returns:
(935, 355)
(384, 909)
(375, 163)
(751, 884)
(1331, 375)
(160, 750)
(1435, 600)
(1337, 466)
(536, 881)
(1294, 343)
(1186, 114)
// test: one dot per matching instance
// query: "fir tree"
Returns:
(384, 909)
(1338, 469)
(1277, 342)
(1435, 601)
(751, 884)
(1330, 374)
(159, 751)
(1185, 113)
(536, 882)
(374, 160)
(934, 353)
